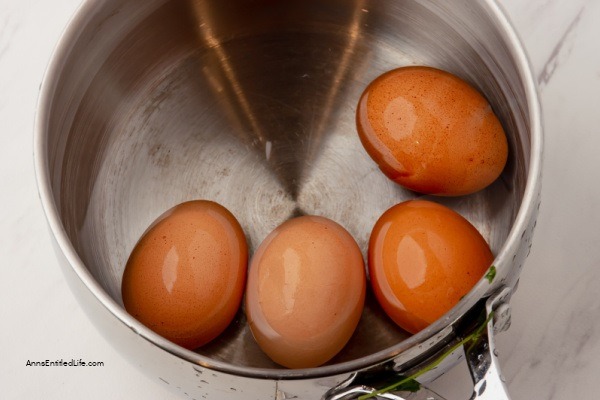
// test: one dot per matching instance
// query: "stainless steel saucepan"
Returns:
(251, 103)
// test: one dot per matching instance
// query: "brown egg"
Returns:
(306, 291)
(185, 278)
(431, 132)
(423, 258)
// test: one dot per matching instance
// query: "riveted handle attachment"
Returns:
(480, 355)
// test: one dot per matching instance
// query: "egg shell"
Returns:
(423, 258)
(306, 291)
(431, 132)
(186, 276)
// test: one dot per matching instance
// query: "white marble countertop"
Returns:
(552, 350)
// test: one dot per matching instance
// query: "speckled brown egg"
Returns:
(431, 132)
(185, 277)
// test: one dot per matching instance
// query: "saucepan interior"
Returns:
(251, 103)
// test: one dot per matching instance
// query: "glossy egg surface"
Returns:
(306, 291)
(185, 278)
(431, 132)
(423, 258)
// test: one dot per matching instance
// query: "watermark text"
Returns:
(64, 363)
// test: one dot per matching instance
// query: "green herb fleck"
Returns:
(410, 383)
(491, 274)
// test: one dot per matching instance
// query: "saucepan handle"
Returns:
(481, 355)
(488, 383)
(356, 392)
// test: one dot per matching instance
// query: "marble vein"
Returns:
(7, 30)
(559, 51)
(569, 341)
